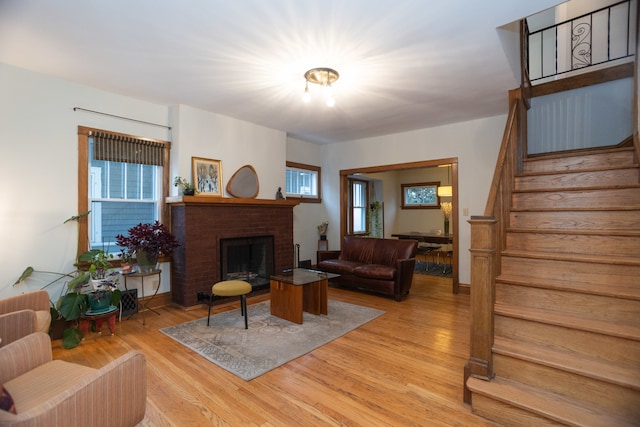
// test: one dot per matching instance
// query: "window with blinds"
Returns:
(125, 185)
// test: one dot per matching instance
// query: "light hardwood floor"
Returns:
(404, 368)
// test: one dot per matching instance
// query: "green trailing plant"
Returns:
(374, 219)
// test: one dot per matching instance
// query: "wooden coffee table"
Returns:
(298, 290)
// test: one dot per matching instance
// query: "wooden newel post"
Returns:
(483, 272)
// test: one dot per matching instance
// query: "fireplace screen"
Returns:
(247, 258)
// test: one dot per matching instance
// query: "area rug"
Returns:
(432, 269)
(270, 341)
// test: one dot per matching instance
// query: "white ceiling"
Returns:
(403, 64)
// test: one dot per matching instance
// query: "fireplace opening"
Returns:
(247, 258)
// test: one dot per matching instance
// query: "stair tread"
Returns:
(576, 189)
(575, 171)
(570, 361)
(592, 259)
(550, 405)
(566, 320)
(570, 231)
(613, 290)
(576, 209)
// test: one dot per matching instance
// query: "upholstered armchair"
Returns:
(55, 393)
(23, 314)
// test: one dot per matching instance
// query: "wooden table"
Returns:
(298, 290)
(425, 237)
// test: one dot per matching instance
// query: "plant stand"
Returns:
(142, 276)
(86, 319)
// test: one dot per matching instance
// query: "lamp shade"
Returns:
(445, 191)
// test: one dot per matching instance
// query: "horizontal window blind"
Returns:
(126, 149)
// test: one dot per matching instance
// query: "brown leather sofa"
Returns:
(380, 265)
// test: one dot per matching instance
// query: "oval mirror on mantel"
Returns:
(244, 183)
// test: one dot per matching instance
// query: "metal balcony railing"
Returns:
(605, 35)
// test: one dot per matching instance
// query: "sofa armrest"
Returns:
(34, 300)
(113, 395)
(324, 255)
(404, 277)
(24, 355)
(16, 325)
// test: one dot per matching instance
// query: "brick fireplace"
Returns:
(200, 223)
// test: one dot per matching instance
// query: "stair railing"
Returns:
(595, 38)
(488, 239)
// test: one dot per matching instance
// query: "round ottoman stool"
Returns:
(232, 288)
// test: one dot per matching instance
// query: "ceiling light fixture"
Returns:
(323, 77)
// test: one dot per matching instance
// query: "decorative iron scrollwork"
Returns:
(581, 46)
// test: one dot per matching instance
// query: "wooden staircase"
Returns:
(566, 343)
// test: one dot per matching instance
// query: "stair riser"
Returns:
(621, 351)
(595, 307)
(588, 161)
(615, 198)
(612, 177)
(598, 274)
(617, 399)
(577, 220)
(508, 415)
(605, 246)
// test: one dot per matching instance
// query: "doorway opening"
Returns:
(347, 174)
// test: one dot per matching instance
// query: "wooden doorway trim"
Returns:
(453, 161)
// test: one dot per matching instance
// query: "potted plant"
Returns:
(148, 242)
(126, 261)
(186, 187)
(99, 262)
(73, 300)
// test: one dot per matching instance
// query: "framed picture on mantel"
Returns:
(207, 176)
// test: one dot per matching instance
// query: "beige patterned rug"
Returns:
(270, 341)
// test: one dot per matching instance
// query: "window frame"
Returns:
(365, 207)
(83, 181)
(404, 187)
(311, 168)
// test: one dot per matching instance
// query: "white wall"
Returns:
(307, 216)
(39, 162)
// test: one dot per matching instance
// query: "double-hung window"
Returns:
(358, 201)
(122, 182)
(303, 182)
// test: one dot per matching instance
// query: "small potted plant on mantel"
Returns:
(148, 242)
(186, 187)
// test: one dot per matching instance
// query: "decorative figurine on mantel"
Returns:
(279, 195)
(322, 229)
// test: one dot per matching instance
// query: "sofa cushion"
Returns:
(375, 271)
(338, 266)
(6, 401)
(388, 251)
(357, 249)
(40, 384)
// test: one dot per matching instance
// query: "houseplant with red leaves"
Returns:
(148, 242)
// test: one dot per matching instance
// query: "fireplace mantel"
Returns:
(229, 201)
(201, 222)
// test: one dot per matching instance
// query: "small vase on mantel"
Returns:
(446, 226)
